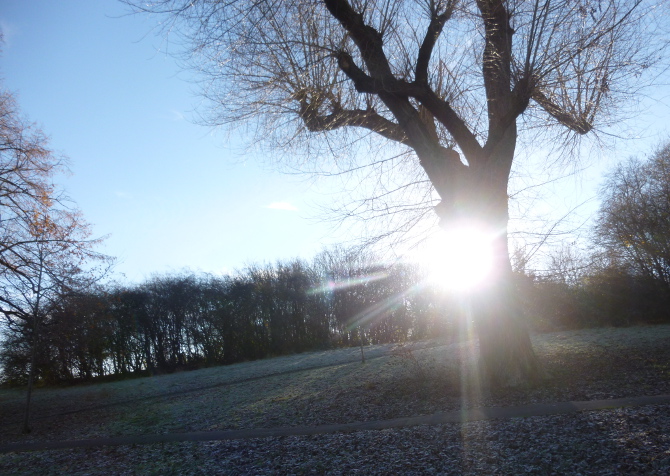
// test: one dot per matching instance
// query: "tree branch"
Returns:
(577, 124)
(496, 65)
(368, 40)
(367, 119)
(458, 129)
(438, 107)
(435, 27)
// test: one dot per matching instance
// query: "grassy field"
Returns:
(335, 387)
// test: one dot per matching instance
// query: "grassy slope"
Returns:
(329, 387)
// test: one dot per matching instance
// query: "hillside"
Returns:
(321, 388)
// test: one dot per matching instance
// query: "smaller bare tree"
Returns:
(633, 222)
(45, 246)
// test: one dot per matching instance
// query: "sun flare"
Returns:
(459, 259)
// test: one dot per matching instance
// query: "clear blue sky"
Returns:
(172, 194)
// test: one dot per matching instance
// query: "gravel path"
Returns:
(459, 416)
(604, 442)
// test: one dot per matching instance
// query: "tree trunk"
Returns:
(506, 353)
(360, 343)
(507, 358)
(31, 377)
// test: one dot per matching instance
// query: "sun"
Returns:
(460, 258)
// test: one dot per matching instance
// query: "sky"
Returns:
(171, 194)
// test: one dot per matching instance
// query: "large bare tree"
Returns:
(445, 82)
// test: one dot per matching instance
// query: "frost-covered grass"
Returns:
(335, 387)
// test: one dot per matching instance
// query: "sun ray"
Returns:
(331, 286)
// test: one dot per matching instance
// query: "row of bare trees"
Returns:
(187, 321)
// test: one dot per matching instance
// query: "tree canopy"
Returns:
(633, 222)
(445, 81)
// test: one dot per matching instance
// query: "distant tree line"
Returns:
(605, 295)
(187, 321)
